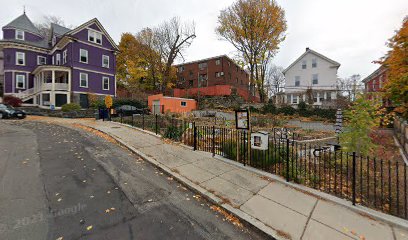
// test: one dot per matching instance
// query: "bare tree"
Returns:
(350, 86)
(45, 26)
(274, 79)
(172, 38)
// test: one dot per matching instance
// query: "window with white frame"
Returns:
(304, 65)
(83, 80)
(314, 63)
(295, 99)
(94, 36)
(183, 103)
(58, 59)
(218, 62)
(20, 58)
(64, 56)
(105, 83)
(105, 61)
(41, 60)
(297, 81)
(315, 79)
(181, 69)
(19, 34)
(83, 55)
(20, 81)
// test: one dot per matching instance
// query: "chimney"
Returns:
(307, 49)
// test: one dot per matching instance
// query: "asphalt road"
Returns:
(66, 183)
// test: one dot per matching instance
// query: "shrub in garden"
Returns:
(12, 101)
(287, 110)
(132, 102)
(269, 108)
(70, 107)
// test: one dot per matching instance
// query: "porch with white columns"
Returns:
(48, 83)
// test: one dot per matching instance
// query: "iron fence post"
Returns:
(194, 136)
(213, 141)
(156, 124)
(287, 160)
(354, 179)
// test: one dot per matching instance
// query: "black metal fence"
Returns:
(375, 183)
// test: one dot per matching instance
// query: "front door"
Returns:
(83, 100)
(156, 107)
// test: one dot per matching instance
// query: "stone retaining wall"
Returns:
(401, 133)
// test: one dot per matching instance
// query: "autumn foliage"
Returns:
(255, 28)
(396, 61)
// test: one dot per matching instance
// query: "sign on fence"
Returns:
(242, 119)
(259, 140)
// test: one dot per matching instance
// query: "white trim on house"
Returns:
(17, 75)
(81, 50)
(17, 31)
(87, 70)
(97, 46)
(96, 35)
(13, 28)
(103, 83)
(103, 61)
(80, 80)
(20, 46)
(90, 22)
(17, 58)
(64, 56)
(39, 62)
(58, 59)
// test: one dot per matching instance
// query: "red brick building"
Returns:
(216, 76)
(375, 82)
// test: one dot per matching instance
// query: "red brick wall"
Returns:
(233, 74)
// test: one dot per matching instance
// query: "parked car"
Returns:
(128, 110)
(7, 111)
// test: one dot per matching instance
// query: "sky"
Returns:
(351, 32)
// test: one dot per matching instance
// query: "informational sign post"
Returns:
(339, 122)
(259, 140)
(242, 119)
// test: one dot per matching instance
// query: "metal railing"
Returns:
(375, 183)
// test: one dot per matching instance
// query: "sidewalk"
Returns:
(267, 203)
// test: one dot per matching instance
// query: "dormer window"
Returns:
(19, 34)
(54, 40)
(94, 36)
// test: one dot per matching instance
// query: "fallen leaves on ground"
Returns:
(89, 227)
(231, 218)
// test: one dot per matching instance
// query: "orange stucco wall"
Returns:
(172, 104)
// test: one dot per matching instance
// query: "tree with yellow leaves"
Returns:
(255, 28)
(396, 62)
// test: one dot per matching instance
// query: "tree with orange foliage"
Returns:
(255, 28)
(396, 61)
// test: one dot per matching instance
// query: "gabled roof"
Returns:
(90, 22)
(23, 23)
(59, 30)
(377, 72)
(308, 50)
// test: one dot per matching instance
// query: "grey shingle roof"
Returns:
(59, 30)
(23, 23)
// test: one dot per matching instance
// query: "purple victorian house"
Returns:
(61, 68)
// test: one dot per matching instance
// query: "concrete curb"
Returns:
(379, 216)
(196, 188)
